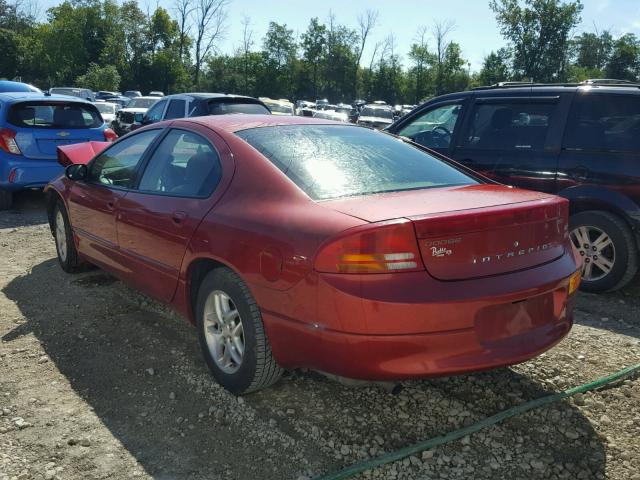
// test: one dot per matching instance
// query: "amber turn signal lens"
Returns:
(574, 282)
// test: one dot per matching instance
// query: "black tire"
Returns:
(69, 260)
(6, 199)
(258, 368)
(625, 260)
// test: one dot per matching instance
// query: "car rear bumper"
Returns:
(17, 173)
(463, 327)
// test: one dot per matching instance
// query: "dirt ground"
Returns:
(99, 382)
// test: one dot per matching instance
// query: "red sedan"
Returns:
(295, 242)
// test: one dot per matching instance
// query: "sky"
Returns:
(475, 27)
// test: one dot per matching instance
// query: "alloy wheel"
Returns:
(597, 250)
(61, 236)
(223, 331)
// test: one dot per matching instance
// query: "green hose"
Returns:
(463, 432)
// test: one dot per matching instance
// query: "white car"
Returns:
(126, 117)
(376, 116)
(108, 111)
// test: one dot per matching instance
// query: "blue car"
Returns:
(9, 86)
(32, 125)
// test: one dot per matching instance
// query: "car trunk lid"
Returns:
(473, 231)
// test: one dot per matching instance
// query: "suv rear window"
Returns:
(604, 122)
(329, 161)
(235, 106)
(54, 115)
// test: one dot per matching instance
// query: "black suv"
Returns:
(199, 104)
(580, 141)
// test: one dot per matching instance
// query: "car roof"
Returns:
(209, 96)
(20, 86)
(235, 122)
(531, 89)
(12, 97)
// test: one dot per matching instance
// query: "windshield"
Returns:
(141, 102)
(54, 115)
(74, 92)
(222, 108)
(329, 161)
(377, 112)
(106, 107)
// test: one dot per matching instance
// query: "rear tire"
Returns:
(231, 334)
(608, 249)
(65, 246)
(6, 199)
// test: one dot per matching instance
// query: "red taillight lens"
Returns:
(8, 141)
(385, 247)
(110, 135)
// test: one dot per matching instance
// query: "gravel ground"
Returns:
(99, 382)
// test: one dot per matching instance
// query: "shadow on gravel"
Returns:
(618, 312)
(28, 209)
(103, 343)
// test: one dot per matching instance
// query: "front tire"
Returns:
(65, 246)
(231, 334)
(608, 249)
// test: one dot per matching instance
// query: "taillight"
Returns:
(384, 247)
(8, 141)
(110, 135)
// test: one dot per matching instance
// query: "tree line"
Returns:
(104, 45)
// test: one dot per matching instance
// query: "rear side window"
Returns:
(329, 161)
(509, 126)
(223, 108)
(175, 109)
(65, 115)
(604, 122)
(184, 164)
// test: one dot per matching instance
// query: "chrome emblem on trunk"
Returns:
(512, 254)
(63, 134)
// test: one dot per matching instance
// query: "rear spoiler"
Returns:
(80, 152)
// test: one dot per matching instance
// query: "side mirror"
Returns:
(139, 118)
(76, 171)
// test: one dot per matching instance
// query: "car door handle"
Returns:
(178, 217)
(111, 205)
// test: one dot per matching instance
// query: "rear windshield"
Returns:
(377, 112)
(74, 92)
(329, 161)
(142, 102)
(223, 108)
(54, 115)
(106, 107)
(276, 107)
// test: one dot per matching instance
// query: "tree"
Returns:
(314, 43)
(422, 60)
(624, 63)
(279, 52)
(366, 22)
(99, 78)
(538, 33)
(495, 68)
(184, 9)
(211, 18)
(441, 31)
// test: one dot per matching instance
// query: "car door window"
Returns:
(604, 122)
(184, 164)
(154, 114)
(433, 128)
(509, 126)
(117, 165)
(175, 109)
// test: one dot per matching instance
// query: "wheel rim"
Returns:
(223, 331)
(597, 250)
(61, 236)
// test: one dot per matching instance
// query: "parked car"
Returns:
(156, 93)
(332, 112)
(83, 93)
(107, 111)
(105, 94)
(580, 141)
(305, 108)
(375, 116)
(32, 125)
(9, 86)
(198, 104)
(278, 107)
(126, 117)
(132, 93)
(292, 242)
